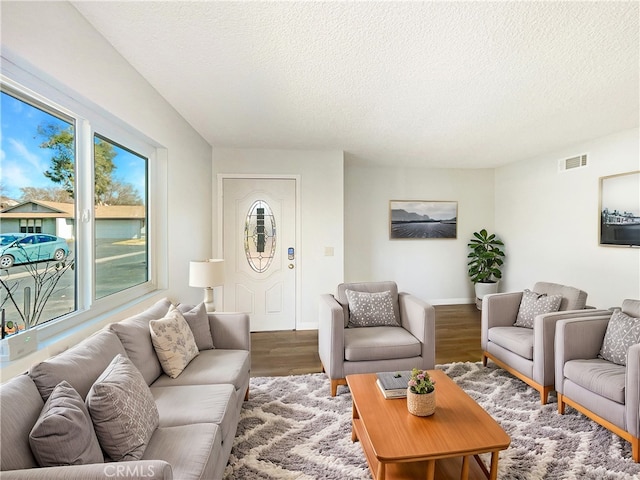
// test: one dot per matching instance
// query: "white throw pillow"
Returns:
(371, 309)
(173, 342)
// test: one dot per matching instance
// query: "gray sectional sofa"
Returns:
(197, 412)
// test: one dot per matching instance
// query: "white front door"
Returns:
(259, 233)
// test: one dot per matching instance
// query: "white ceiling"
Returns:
(439, 84)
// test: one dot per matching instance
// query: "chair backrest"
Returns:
(369, 287)
(631, 307)
(572, 298)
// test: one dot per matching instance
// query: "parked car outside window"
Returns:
(19, 248)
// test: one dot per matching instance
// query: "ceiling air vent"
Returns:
(572, 163)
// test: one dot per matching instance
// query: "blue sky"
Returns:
(23, 162)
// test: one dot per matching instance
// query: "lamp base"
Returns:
(208, 300)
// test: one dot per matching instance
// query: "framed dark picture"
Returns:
(620, 210)
(421, 219)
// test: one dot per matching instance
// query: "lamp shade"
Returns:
(206, 273)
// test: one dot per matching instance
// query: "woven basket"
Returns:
(421, 404)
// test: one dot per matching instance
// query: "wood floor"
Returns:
(296, 352)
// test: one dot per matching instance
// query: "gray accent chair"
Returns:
(344, 351)
(527, 353)
(607, 393)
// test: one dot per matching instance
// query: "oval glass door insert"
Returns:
(260, 236)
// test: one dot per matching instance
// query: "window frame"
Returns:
(37, 89)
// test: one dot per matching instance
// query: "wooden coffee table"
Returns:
(399, 445)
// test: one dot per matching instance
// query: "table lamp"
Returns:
(207, 274)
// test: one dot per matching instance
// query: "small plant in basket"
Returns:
(420, 382)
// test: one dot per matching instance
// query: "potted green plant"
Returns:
(485, 261)
(421, 394)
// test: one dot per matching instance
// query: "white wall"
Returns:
(549, 222)
(66, 51)
(322, 210)
(434, 269)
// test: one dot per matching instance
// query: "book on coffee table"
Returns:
(393, 384)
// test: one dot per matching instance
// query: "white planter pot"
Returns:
(483, 289)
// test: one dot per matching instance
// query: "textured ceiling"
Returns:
(440, 84)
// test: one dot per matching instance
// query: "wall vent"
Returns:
(572, 163)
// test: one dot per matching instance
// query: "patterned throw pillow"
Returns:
(622, 332)
(534, 304)
(123, 410)
(173, 341)
(370, 309)
(64, 434)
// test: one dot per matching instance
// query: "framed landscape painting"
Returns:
(421, 219)
(620, 210)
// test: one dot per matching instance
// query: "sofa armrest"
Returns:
(138, 470)
(544, 333)
(498, 310)
(331, 336)
(419, 318)
(632, 391)
(577, 338)
(230, 330)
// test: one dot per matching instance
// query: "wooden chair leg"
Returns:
(635, 449)
(544, 394)
(334, 385)
(561, 404)
(246, 395)
(484, 360)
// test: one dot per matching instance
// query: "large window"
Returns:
(120, 217)
(37, 190)
(74, 213)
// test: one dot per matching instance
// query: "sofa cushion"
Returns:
(599, 376)
(80, 366)
(622, 332)
(197, 404)
(371, 309)
(212, 367)
(173, 342)
(518, 340)
(136, 338)
(20, 407)
(123, 411)
(63, 434)
(193, 451)
(198, 321)
(379, 343)
(534, 304)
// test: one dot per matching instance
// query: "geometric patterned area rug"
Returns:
(292, 429)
